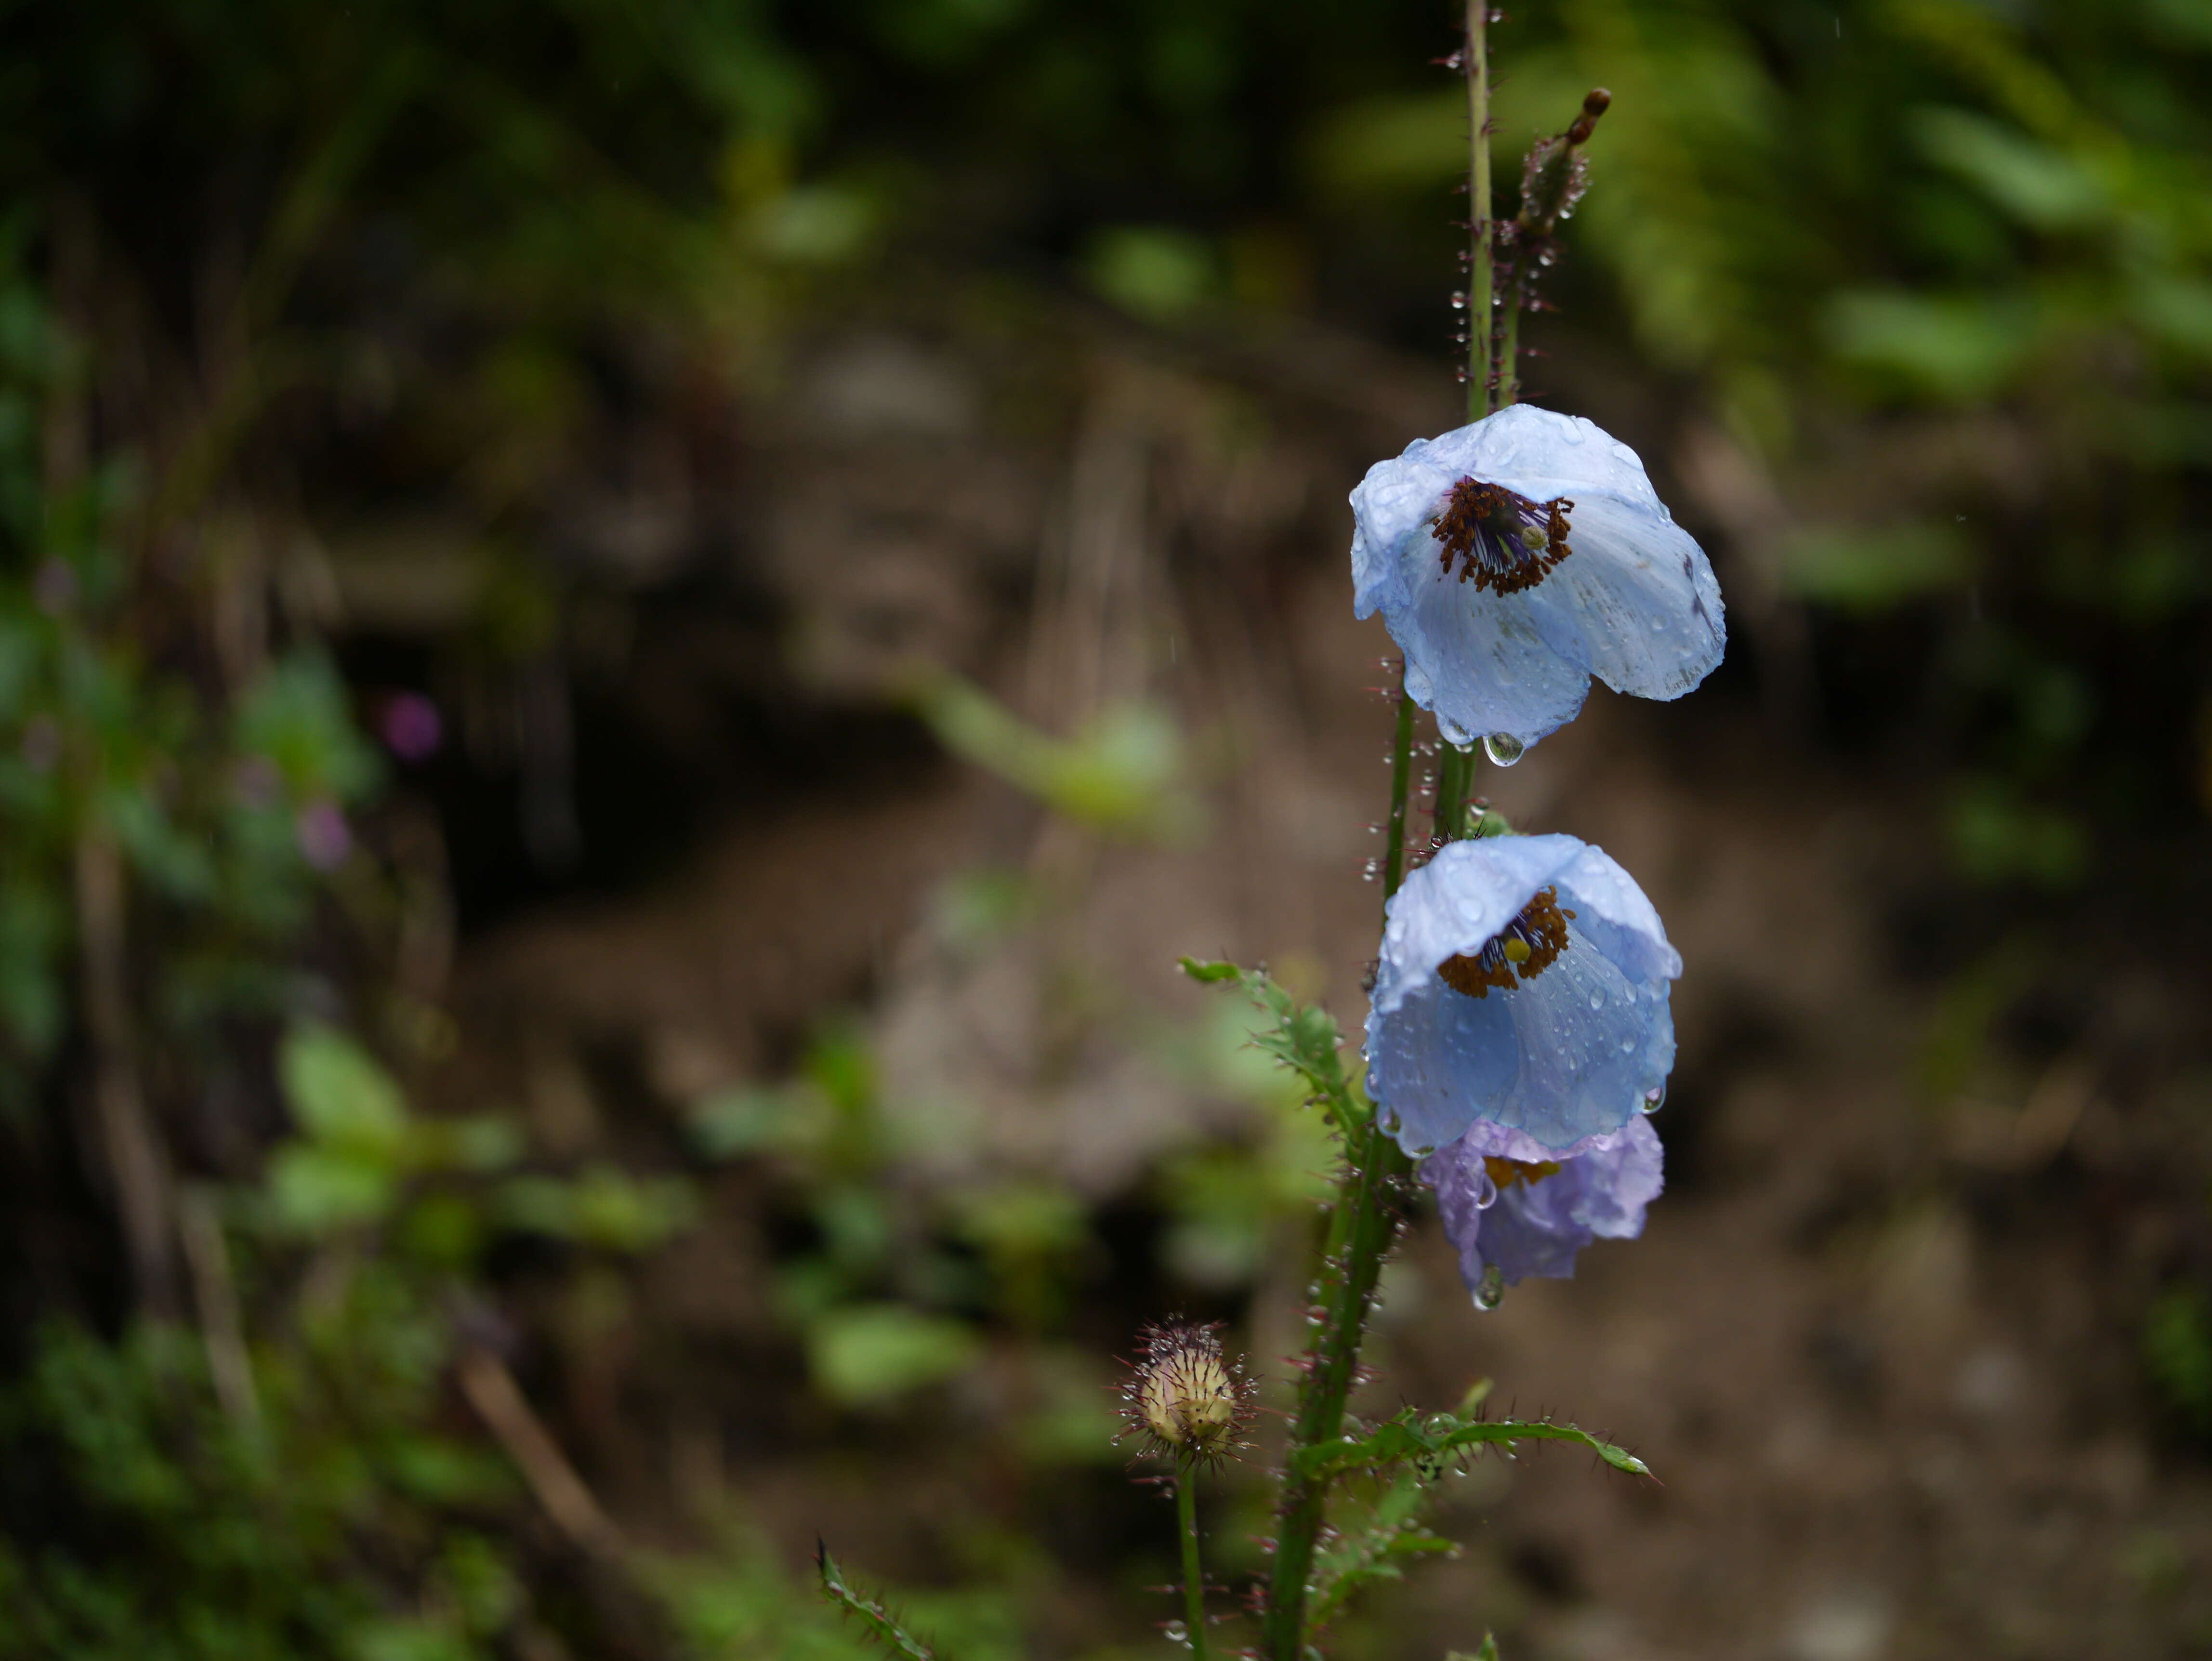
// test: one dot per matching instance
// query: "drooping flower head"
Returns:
(1513, 1209)
(1184, 1396)
(1515, 558)
(1523, 980)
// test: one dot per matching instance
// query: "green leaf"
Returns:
(864, 1353)
(1209, 972)
(874, 1619)
(1156, 273)
(1428, 1441)
(339, 1094)
(315, 1190)
(603, 1207)
(1959, 348)
(1120, 773)
(1373, 1551)
(2043, 187)
(1870, 568)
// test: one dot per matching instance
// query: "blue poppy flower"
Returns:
(1512, 1209)
(1523, 980)
(1515, 558)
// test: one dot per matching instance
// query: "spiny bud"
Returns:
(1184, 1396)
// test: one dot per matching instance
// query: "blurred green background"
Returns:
(631, 636)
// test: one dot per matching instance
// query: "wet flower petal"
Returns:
(1547, 1209)
(1562, 1054)
(1635, 603)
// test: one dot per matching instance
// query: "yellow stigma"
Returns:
(1516, 951)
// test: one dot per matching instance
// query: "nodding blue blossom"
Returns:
(1512, 1207)
(1523, 980)
(1515, 558)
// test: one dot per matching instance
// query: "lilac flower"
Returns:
(1515, 558)
(1513, 1209)
(1523, 980)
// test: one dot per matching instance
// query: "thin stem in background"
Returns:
(1193, 1577)
(1509, 337)
(1481, 288)
(1401, 768)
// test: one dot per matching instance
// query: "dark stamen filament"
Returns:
(1525, 947)
(1503, 542)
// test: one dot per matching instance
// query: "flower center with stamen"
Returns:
(1525, 947)
(1503, 542)
(1506, 1172)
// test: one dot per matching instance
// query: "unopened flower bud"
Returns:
(1184, 1395)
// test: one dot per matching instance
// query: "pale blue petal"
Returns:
(1636, 603)
(1570, 1053)
(1462, 897)
(1482, 662)
(1617, 916)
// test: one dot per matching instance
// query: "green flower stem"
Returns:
(1401, 770)
(1363, 1221)
(1193, 1577)
(1482, 276)
(1455, 778)
(1362, 1227)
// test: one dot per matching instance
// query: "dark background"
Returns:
(633, 635)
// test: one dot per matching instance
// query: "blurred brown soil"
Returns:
(1878, 1339)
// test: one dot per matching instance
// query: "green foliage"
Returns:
(2177, 1349)
(1122, 773)
(1430, 1442)
(167, 1530)
(874, 1619)
(1374, 1548)
(1303, 1037)
(358, 1145)
(869, 1353)
(736, 1601)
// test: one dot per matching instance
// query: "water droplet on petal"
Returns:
(1503, 749)
(1653, 1100)
(1490, 1291)
(1597, 1001)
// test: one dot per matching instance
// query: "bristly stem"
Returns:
(1193, 1577)
(1361, 1230)
(1454, 779)
(1401, 770)
(1481, 288)
(1364, 1223)
(1509, 337)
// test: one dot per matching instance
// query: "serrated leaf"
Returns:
(1304, 1038)
(1428, 1440)
(1210, 971)
(874, 1619)
(1394, 1532)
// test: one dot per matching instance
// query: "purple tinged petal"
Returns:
(1536, 1227)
